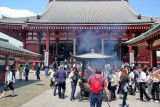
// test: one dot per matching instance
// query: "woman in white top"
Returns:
(8, 82)
(52, 79)
(149, 81)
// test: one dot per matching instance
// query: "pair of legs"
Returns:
(26, 78)
(143, 91)
(38, 77)
(20, 75)
(55, 89)
(149, 90)
(6, 87)
(124, 99)
(155, 91)
(73, 86)
(61, 85)
(136, 86)
(113, 93)
(96, 99)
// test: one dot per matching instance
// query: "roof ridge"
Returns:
(50, 4)
(128, 6)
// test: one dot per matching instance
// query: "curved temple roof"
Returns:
(85, 12)
(142, 39)
(5, 46)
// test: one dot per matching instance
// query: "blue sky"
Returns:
(144, 7)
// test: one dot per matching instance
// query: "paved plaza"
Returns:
(35, 93)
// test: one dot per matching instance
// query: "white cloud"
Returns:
(13, 13)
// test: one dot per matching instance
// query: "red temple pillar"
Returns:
(39, 40)
(7, 60)
(74, 46)
(56, 47)
(47, 42)
(24, 40)
(102, 47)
(120, 56)
(153, 58)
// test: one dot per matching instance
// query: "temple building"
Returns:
(76, 27)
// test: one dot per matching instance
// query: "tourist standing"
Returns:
(149, 81)
(131, 77)
(56, 82)
(113, 86)
(142, 80)
(157, 74)
(155, 87)
(136, 76)
(124, 85)
(52, 79)
(55, 65)
(74, 78)
(96, 94)
(119, 83)
(61, 77)
(47, 71)
(38, 72)
(20, 72)
(8, 82)
(26, 72)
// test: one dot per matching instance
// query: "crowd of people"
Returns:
(121, 82)
(111, 82)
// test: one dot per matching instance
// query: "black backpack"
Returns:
(75, 77)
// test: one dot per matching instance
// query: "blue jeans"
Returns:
(124, 98)
(136, 86)
(73, 86)
(96, 98)
(55, 88)
(61, 85)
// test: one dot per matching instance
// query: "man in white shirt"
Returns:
(113, 86)
(142, 80)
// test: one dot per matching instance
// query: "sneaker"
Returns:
(62, 97)
(54, 94)
(156, 101)
(14, 94)
(2, 96)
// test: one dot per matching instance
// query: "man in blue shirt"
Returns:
(61, 77)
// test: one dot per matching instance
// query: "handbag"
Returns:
(24, 74)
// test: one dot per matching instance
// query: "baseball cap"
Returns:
(154, 68)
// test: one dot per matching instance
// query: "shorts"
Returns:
(10, 86)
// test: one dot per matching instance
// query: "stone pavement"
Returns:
(47, 99)
(26, 90)
(39, 94)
